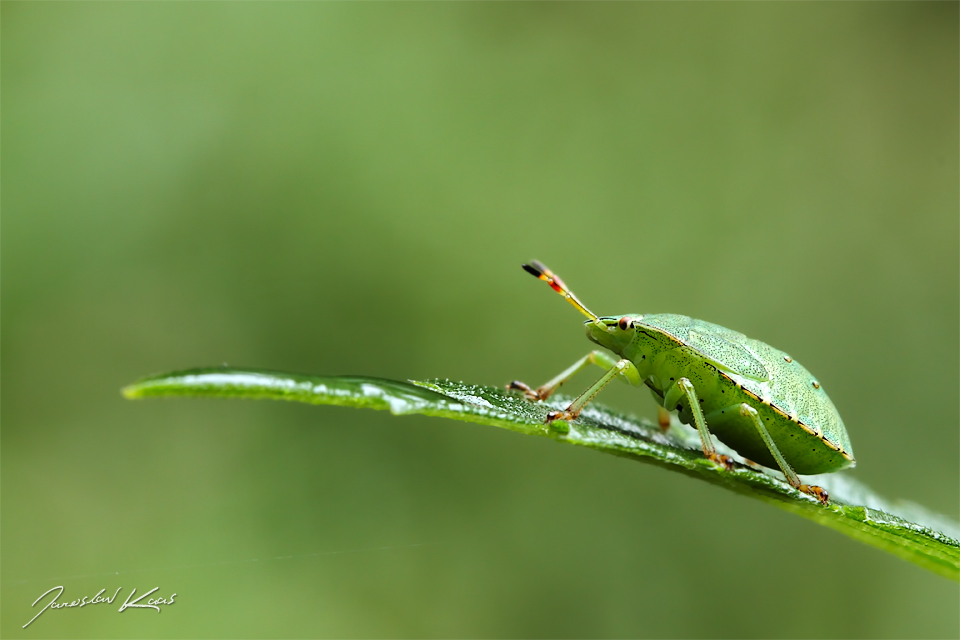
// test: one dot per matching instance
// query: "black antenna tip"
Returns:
(536, 273)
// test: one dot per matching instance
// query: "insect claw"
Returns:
(560, 415)
(528, 393)
(817, 492)
(724, 461)
(557, 421)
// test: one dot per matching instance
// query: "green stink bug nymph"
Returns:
(756, 399)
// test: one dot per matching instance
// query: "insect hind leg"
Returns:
(817, 492)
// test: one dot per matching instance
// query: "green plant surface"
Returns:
(904, 529)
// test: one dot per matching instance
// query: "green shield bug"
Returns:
(752, 397)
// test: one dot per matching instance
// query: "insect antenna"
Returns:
(540, 270)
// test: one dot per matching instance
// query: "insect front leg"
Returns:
(623, 368)
(817, 492)
(684, 389)
(544, 391)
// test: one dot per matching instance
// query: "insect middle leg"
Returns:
(685, 389)
(663, 419)
(544, 391)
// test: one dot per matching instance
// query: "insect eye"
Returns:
(624, 323)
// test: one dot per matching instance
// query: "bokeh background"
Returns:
(351, 188)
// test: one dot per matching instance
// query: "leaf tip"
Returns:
(131, 391)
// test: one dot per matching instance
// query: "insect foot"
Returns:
(817, 492)
(724, 461)
(561, 415)
(528, 393)
(557, 421)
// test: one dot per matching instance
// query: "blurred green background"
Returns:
(351, 188)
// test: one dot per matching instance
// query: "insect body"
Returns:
(756, 399)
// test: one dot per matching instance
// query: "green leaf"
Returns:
(904, 529)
